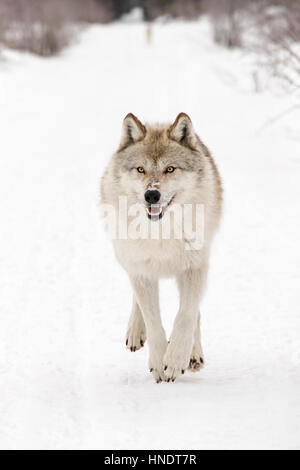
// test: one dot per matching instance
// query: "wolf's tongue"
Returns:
(154, 210)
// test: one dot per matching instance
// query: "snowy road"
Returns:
(66, 380)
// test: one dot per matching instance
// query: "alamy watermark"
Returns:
(139, 222)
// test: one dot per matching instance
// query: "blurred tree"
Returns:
(155, 8)
(120, 7)
(173, 8)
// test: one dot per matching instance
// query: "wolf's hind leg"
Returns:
(136, 331)
(197, 358)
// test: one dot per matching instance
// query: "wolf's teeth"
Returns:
(153, 211)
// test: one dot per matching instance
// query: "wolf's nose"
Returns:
(152, 196)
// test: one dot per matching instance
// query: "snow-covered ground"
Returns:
(66, 379)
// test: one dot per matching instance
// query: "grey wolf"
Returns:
(159, 166)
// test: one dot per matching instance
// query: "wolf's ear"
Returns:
(182, 131)
(132, 131)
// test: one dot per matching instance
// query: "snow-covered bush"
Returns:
(45, 27)
(227, 17)
(277, 39)
(268, 28)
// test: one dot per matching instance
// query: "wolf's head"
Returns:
(158, 165)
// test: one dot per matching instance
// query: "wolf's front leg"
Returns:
(146, 294)
(136, 331)
(178, 354)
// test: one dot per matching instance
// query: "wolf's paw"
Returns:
(158, 374)
(176, 362)
(157, 351)
(135, 338)
(197, 358)
(196, 362)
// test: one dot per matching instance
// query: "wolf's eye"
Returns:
(170, 169)
(140, 169)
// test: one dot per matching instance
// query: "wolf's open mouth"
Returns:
(156, 211)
